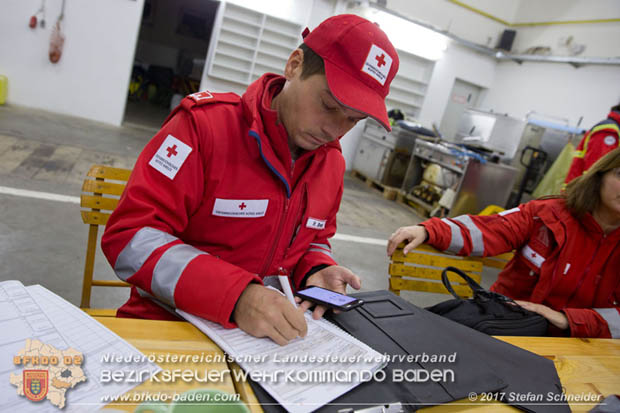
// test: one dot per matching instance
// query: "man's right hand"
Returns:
(263, 312)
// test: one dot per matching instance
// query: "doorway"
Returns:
(463, 95)
(169, 59)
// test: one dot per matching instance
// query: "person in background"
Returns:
(566, 265)
(598, 141)
(234, 190)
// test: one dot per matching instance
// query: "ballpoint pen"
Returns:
(286, 286)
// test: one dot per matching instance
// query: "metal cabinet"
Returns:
(372, 158)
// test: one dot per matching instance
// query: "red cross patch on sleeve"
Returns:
(170, 156)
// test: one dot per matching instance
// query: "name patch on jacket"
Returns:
(240, 208)
(315, 223)
(170, 156)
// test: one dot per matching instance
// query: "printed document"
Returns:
(305, 374)
(31, 316)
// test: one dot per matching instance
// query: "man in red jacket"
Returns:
(233, 190)
(603, 138)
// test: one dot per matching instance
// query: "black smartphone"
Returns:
(330, 299)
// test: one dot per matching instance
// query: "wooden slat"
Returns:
(428, 273)
(426, 286)
(464, 263)
(107, 172)
(100, 312)
(95, 218)
(101, 187)
(109, 283)
(98, 202)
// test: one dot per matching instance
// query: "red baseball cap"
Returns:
(360, 62)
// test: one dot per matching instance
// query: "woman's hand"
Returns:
(415, 235)
(556, 318)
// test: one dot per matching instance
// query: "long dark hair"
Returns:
(583, 193)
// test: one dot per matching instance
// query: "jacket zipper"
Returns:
(277, 240)
(585, 273)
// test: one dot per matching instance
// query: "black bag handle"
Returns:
(477, 289)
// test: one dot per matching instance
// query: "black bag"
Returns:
(488, 312)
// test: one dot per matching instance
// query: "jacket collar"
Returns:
(271, 136)
(614, 115)
(559, 216)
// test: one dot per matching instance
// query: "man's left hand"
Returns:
(556, 318)
(333, 278)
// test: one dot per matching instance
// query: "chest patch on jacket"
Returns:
(240, 208)
(315, 223)
(610, 140)
(532, 256)
(170, 156)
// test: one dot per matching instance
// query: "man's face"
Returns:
(310, 113)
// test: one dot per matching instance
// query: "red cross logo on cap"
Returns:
(172, 151)
(380, 60)
(242, 206)
(534, 255)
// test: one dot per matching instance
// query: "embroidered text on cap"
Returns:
(377, 64)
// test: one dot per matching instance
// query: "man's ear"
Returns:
(294, 64)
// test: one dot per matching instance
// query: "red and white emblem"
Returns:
(240, 208)
(377, 64)
(170, 156)
(35, 384)
(200, 96)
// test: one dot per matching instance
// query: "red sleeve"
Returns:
(475, 235)
(596, 323)
(140, 241)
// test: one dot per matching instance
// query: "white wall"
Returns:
(457, 62)
(457, 20)
(92, 77)
(562, 10)
(555, 89)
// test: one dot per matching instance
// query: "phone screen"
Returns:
(327, 296)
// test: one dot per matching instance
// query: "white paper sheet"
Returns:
(295, 388)
(36, 313)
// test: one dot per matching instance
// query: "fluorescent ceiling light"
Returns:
(408, 36)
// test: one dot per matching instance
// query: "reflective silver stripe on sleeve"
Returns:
(327, 247)
(137, 251)
(475, 234)
(613, 320)
(166, 307)
(456, 238)
(329, 254)
(169, 268)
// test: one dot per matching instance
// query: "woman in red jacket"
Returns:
(567, 261)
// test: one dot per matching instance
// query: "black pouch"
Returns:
(488, 312)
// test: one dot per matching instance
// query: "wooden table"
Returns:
(585, 366)
(174, 338)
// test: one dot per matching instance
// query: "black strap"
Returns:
(480, 294)
(477, 289)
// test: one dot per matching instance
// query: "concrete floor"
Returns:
(44, 242)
